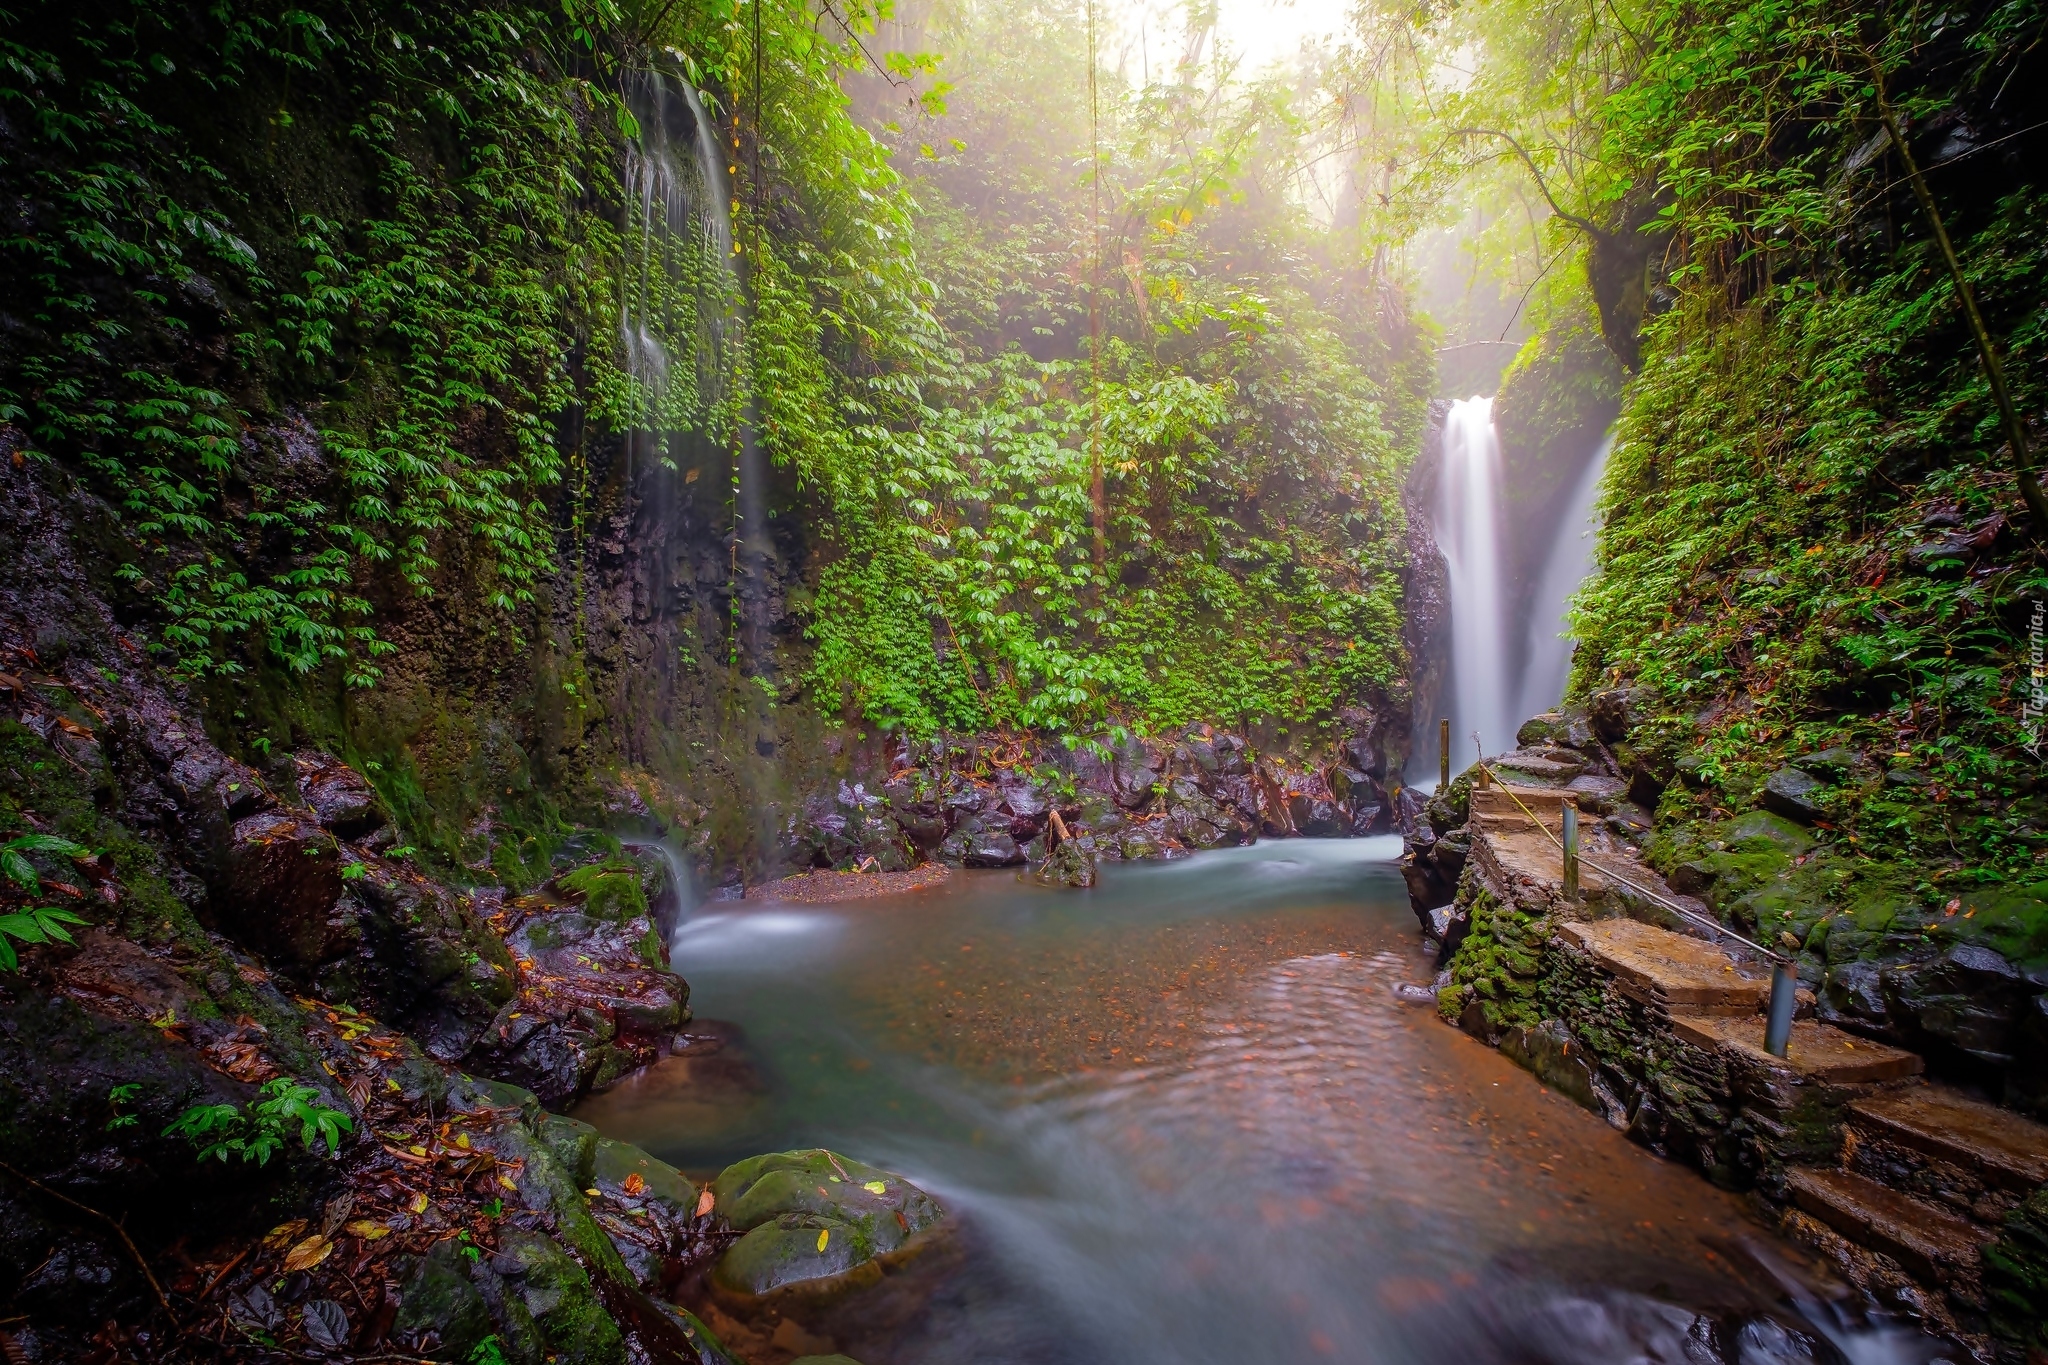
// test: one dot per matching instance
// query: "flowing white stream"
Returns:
(1468, 533)
(1549, 656)
(1503, 670)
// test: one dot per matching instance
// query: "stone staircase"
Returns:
(1903, 1182)
(1922, 1176)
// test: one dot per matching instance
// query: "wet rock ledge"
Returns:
(1008, 803)
(271, 1091)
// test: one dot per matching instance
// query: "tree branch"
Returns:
(1583, 224)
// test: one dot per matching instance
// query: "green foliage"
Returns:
(15, 865)
(1193, 515)
(254, 1131)
(34, 924)
(426, 309)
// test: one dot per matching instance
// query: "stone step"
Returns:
(1685, 975)
(1921, 1237)
(1815, 1052)
(2002, 1148)
(1498, 803)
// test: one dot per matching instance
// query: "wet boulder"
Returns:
(1449, 854)
(1970, 999)
(1426, 886)
(815, 1222)
(1070, 864)
(281, 890)
(339, 796)
(1616, 712)
(1138, 768)
(419, 954)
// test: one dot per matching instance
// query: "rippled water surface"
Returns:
(1184, 1118)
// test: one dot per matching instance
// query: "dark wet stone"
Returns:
(992, 848)
(1970, 999)
(280, 891)
(1830, 765)
(1792, 794)
(1068, 865)
(341, 798)
(1426, 886)
(439, 1310)
(1449, 854)
(1614, 713)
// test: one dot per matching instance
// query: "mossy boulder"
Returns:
(613, 888)
(816, 1220)
(441, 1314)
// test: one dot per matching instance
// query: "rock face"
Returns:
(816, 1223)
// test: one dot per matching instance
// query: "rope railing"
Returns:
(1784, 979)
(1704, 921)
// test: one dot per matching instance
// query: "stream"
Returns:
(1185, 1117)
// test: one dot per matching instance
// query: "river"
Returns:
(1184, 1117)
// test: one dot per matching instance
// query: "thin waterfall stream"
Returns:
(689, 298)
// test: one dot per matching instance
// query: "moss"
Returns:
(613, 889)
(1497, 964)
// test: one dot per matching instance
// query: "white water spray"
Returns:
(1549, 656)
(1468, 533)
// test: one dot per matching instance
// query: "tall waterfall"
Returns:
(683, 320)
(682, 291)
(1504, 670)
(1468, 533)
(1549, 654)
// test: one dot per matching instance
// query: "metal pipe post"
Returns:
(1443, 755)
(1784, 998)
(1571, 850)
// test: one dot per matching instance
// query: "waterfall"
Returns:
(1468, 533)
(1549, 656)
(682, 290)
(683, 319)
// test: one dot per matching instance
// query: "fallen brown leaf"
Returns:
(284, 1233)
(634, 1185)
(308, 1254)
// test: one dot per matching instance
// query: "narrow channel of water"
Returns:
(1184, 1117)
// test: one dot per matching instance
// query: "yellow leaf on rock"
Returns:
(508, 1182)
(368, 1229)
(593, 1193)
(308, 1254)
(824, 1236)
(875, 1187)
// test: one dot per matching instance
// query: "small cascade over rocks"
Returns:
(684, 321)
(683, 292)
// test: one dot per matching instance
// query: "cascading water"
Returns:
(681, 322)
(1549, 654)
(1468, 533)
